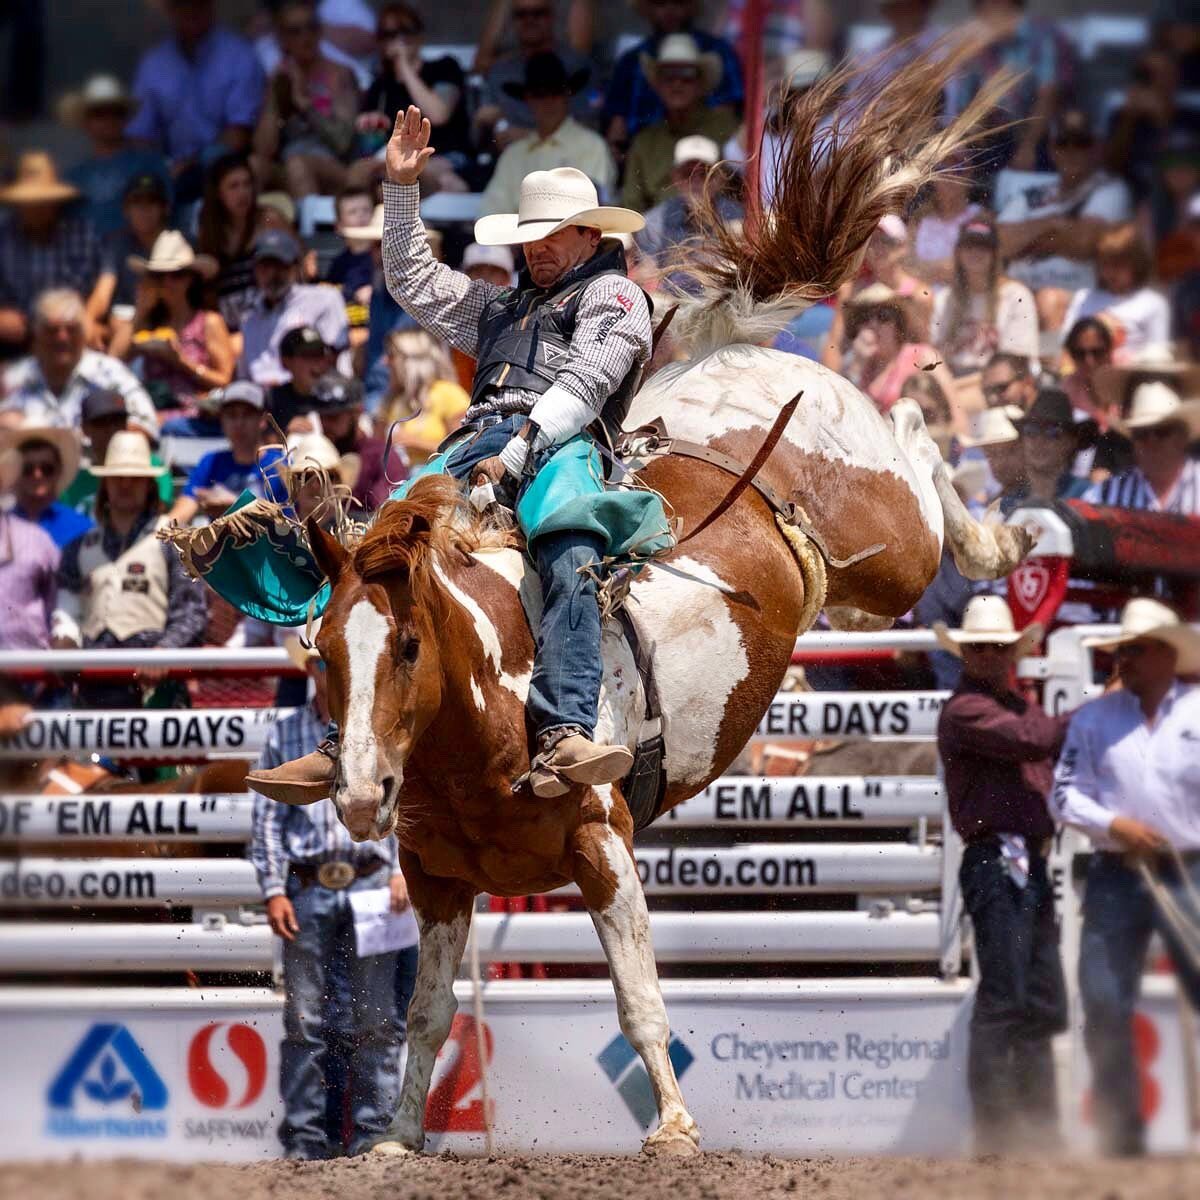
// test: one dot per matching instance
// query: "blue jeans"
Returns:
(1021, 1001)
(323, 947)
(1119, 915)
(565, 688)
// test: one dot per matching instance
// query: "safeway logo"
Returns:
(619, 1061)
(237, 1077)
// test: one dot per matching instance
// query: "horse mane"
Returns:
(848, 159)
(433, 522)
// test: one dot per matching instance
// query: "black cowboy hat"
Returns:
(545, 75)
(1053, 407)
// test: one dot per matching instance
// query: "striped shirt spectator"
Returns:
(71, 258)
(1131, 489)
(312, 834)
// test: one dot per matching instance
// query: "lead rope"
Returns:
(489, 1140)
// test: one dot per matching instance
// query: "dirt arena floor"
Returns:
(588, 1177)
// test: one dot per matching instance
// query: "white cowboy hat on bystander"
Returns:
(128, 457)
(1157, 403)
(365, 233)
(314, 451)
(992, 427)
(1146, 618)
(987, 620)
(172, 252)
(681, 50)
(66, 444)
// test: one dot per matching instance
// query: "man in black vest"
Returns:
(559, 351)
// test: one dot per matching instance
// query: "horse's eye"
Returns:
(410, 650)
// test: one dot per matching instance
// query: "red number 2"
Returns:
(449, 1110)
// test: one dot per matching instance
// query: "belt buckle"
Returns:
(335, 875)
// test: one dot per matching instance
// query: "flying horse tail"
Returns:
(847, 159)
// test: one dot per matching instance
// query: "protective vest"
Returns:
(525, 335)
(125, 595)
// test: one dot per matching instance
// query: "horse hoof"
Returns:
(672, 1142)
(392, 1150)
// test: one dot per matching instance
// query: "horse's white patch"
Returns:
(604, 791)
(477, 694)
(515, 569)
(365, 635)
(680, 609)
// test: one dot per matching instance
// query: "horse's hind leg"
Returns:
(443, 911)
(607, 877)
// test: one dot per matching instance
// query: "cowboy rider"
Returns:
(558, 352)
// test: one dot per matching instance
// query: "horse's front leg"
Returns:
(443, 910)
(607, 876)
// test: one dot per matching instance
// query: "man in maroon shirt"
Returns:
(998, 751)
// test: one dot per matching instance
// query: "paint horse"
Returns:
(427, 634)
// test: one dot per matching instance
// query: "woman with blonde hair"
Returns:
(423, 395)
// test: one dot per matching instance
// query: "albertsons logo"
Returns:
(620, 1062)
(106, 1089)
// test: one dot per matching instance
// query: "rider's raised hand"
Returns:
(408, 150)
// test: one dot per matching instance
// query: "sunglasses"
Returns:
(1074, 142)
(395, 31)
(1155, 433)
(1130, 649)
(987, 647)
(994, 390)
(39, 470)
(530, 14)
(294, 29)
(1079, 353)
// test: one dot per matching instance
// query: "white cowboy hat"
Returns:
(172, 252)
(696, 148)
(1156, 403)
(309, 451)
(365, 233)
(992, 427)
(550, 201)
(802, 68)
(476, 255)
(1115, 384)
(128, 457)
(680, 50)
(1146, 618)
(65, 442)
(100, 91)
(986, 621)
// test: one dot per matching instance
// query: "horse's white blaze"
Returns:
(365, 634)
(489, 637)
(699, 658)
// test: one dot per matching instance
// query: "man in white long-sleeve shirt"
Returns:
(1129, 777)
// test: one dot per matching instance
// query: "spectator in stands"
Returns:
(199, 88)
(1008, 381)
(305, 132)
(1033, 51)
(937, 231)
(1138, 313)
(437, 87)
(671, 223)
(49, 386)
(41, 247)
(1048, 233)
(1127, 778)
(982, 310)
(102, 415)
(347, 37)
(283, 304)
(1178, 253)
(221, 476)
(910, 35)
(1089, 347)
(181, 349)
(352, 269)
(101, 109)
(49, 459)
(305, 358)
(307, 866)
(557, 140)
(1167, 214)
(992, 434)
(682, 75)
(145, 206)
(997, 749)
(1051, 439)
(492, 264)
(227, 225)
(503, 116)
(315, 470)
(632, 102)
(425, 394)
(28, 570)
(118, 585)
(1163, 478)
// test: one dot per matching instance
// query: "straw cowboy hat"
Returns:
(1115, 384)
(1145, 618)
(993, 426)
(986, 621)
(172, 252)
(312, 451)
(100, 91)
(550, 201)
(680, 50)
(128, 457)
(1156, 403)
(65, 442)
(37, 182)
(365, 233)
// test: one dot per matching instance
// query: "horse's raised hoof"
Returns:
(675, 1143)
(392, 1150)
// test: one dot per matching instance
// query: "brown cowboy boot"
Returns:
(568, 757)
(301, 781)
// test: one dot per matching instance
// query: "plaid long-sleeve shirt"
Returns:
(311, 834)
(612, 328)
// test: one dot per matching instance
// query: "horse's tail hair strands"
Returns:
(848, 159)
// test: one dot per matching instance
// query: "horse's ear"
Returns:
(330, 554)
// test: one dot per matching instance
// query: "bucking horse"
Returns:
(427, 632)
